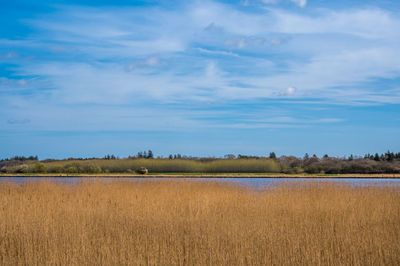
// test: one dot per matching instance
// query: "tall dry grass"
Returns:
(194, 223)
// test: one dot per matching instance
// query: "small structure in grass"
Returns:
(142, 170)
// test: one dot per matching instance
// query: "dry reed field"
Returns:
(198, 223)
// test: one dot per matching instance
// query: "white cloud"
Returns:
(300, 3)
(296, 120)
(22, 82)
(243, 42)
(12, 84)
(326, 54)
(198, 66)
(217, 52)
(288, 92)
(329, 120)
(276, 41)
(245, 2)
(366, 23)
(151, 61)
(211, 70)
(238, 43)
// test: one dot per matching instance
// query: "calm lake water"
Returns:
(249, 182)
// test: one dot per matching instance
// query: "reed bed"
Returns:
(198, 223)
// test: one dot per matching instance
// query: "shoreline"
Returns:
(200, 175)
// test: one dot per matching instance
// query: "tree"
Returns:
(272, 155)
(376, 157)
(389, 156)
(306, 156)
(150, 154)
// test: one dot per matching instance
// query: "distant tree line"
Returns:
(388, 156)
(145, 154)
(21, 158)
(388, 162)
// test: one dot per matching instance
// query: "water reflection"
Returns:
(249, 182)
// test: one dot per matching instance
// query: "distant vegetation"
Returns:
(198, 223)
(386, 163)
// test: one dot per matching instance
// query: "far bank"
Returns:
(204, 175)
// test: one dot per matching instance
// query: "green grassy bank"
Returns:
(284, 166)
(99, 166)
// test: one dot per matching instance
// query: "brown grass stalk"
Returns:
(198, 223)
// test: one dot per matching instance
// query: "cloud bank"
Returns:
(188, 63)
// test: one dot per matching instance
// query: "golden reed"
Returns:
(198, 223)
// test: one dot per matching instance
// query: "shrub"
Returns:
(312, 169)
(23, 168)
(90, 168)
(55, 169)
(37, 168)
(71, 170)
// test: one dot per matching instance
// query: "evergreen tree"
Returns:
(389, 156)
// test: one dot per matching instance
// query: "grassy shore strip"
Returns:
(210, 166)
(207, 175)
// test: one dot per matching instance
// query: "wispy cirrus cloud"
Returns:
(300, 3)
(126, 43)
(202, 55)
(288, 92)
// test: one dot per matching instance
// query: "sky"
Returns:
(202, 78)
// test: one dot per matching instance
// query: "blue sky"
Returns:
(202, 78)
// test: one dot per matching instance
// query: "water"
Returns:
(248, 182)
